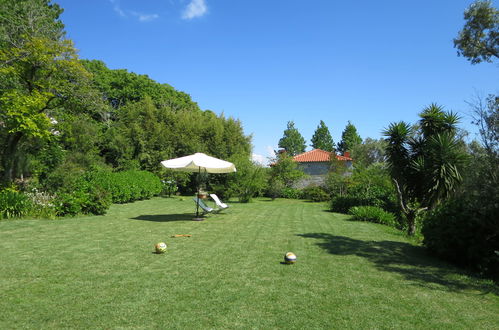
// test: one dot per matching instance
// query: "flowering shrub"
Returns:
(43, 204)
(169, 187)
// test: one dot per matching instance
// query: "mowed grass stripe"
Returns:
(101, 272)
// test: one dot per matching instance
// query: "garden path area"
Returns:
(101, 272)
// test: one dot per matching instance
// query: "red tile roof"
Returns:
(317, 155)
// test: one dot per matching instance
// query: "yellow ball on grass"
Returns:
(160, 247)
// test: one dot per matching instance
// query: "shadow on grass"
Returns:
(408, 260)
(165, 217)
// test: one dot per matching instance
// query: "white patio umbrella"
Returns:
(199, 162)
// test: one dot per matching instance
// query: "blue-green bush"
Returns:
(373, 214)
(14, 204)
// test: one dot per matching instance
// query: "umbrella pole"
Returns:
(197, 194)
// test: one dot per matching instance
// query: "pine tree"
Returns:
(349, 138)
(292, 141)
(322, 138)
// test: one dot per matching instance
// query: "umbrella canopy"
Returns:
(199, 162)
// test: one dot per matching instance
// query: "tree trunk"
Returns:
(9, 157)
(411, 222)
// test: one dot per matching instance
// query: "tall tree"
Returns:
(369, 152)
(349, 138)
(479, 39)
(322, 139)
(426, 165)
(39, 73)
(292, 141)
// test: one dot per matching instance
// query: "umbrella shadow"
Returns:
(165, 217)
(410, 261)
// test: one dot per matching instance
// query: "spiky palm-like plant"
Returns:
(425, 162)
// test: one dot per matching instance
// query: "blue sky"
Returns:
(270, 61)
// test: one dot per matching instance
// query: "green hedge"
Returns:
(375, 196)
(93, 192)
(373, 214)
(127, 186)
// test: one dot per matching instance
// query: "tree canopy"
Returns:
(479, 39)
(349, 138)
(292, 141)
(322, 139)
(39, 74)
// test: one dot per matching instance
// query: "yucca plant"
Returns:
(425, 161)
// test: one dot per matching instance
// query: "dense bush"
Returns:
(291, 193)
(342, 204)
(315, 194)
(465, 232)
(249, 181)
(126, 186)
(373, 214)
(358, 196)
(14, 204)
(69, 204)
(93, 192)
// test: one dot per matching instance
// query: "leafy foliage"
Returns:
(464, 232)
(14, 204)
(249, 181)
(315, 194)
(322, 139)
(478, 41)
(292, 141)
(291, 193)
(39, 73)
(373, 214)
(126, 186)
(283, 174)
(349, 138)
(369, 152)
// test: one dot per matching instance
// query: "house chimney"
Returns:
(346, 154)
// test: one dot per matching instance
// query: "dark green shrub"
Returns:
(315, 194)
(359, 196)
(274, 189)
(373, 214)
(465, 232)
(69, 204)
(127, 186)
(290, 193)
(97, 201)
(342, 204)
(14, 204)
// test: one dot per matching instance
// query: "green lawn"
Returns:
(101, 272)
